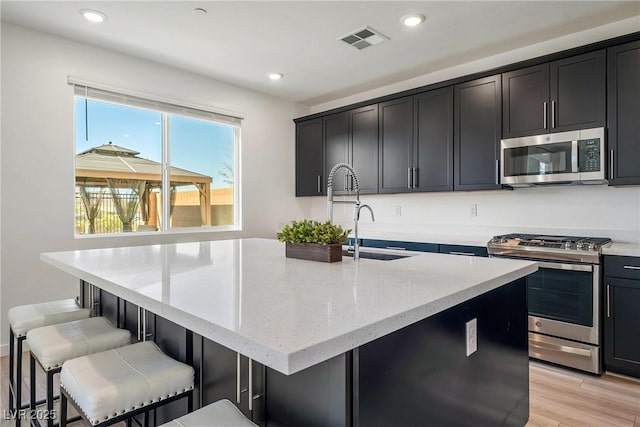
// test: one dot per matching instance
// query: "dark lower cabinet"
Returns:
(622, 314)
(477, 131)
(624, 113)
(310, 177)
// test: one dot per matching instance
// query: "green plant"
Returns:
(310, 231)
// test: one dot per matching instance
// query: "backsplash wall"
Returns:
(579, 210)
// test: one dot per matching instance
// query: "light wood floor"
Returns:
(559, 397)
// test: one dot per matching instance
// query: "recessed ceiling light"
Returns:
(276, 76)
(413, 19)
(93, 15)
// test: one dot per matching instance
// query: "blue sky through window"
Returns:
(196, 145)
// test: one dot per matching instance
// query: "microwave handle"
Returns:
(497, 172)
(544, 114)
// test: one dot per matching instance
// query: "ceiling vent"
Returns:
(363, 38)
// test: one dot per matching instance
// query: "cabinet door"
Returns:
(396, 141)
(578, 92)
(624, 113)
(364, 147)
(433, 140)
(336, 146)
(309, 159)
(477, 124)
(525, 101)
(622, 317)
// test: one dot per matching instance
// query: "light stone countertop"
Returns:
(622, 249)
(285, 313)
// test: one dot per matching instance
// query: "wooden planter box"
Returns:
(314, 252)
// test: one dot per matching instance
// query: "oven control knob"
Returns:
(539, 324)
(503, 240)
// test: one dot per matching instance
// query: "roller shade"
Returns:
(92, 91)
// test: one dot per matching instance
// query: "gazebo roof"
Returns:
(95, 165)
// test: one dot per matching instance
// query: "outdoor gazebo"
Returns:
(129, 180)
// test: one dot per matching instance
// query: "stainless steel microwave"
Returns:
(576, 157)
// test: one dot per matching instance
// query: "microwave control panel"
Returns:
(589, 155)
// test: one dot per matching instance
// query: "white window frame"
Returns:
(104, 93)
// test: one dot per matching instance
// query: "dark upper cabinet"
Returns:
(363, 130)
(433, 140)
(525, 100)
(336, 140)
(562, 95)
(477, 129)
(396, 145)
(310, 177)
(416, 142)
(624, 113)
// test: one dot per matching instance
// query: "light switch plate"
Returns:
(472, 336)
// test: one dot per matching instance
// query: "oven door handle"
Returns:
(560, 348)
(561, 266)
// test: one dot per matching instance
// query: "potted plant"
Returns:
(313, 240)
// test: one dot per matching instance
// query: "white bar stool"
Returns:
(222, 413)
(115, 385)
(53, 345)
(21, 320)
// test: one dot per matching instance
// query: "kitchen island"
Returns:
(303, 343)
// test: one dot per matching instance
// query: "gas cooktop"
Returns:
(560, 248)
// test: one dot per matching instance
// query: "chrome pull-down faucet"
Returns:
(356, 202)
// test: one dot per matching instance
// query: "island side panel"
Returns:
(420, 375)
(319, 396)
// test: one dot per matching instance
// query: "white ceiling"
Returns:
(241, 42)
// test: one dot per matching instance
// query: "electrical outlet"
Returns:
(472, 336)
(473, 209)
(398, 210)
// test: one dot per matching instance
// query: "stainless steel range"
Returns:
(563, 296)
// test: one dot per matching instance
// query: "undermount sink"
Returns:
(375, 255)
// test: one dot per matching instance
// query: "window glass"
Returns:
(119, 169)
(202, 172)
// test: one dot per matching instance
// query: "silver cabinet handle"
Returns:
(139, 329)
(397, 248)
(608, 301)
(611, 162)
(250, 385)
(319, 183)
(415, 178)
(408, 177)
(462, 253)
(631, 267)
(497, 172)
(544, 114)
(237, 377)
(553, 114)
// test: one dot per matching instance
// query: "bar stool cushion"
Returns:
(55, 344)
(218, 414)
(111, 383)
(23, 318)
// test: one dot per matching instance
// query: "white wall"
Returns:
(37, 169)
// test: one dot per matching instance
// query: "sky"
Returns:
(196, 145)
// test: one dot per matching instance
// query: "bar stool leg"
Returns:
(18, 382)
(63, 409)
(11, 372)
(50, 398)
(32, 388)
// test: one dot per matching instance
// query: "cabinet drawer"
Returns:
(625, 267)
(464, 250)
(397, 244)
